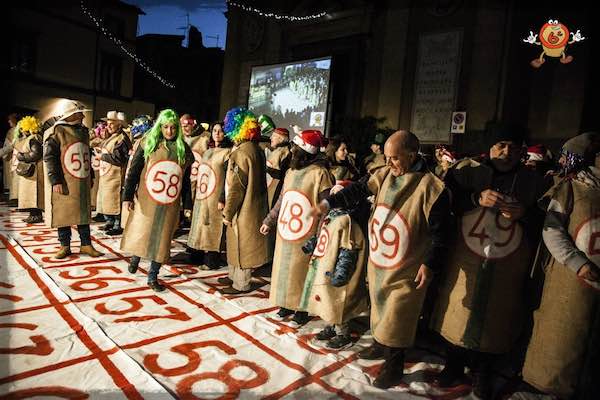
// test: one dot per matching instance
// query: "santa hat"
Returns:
(282, 131)
(309, 141)
(448, 156)
(186, 119)
(537, 153)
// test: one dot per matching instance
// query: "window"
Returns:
(110, 73)
(22, 53)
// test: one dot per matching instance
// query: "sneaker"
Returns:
(300, 318)
(282, 314)
(339, 341)
(157, 287)
(99, 218)
(106, 226)
(114, 231)
(327, 333)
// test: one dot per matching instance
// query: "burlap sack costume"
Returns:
(110, 179)
(31, 189)
(152, 223)
(398, 240)
(336, 305)
(276, 158)
(73, 207)
(198, 145)
(563, 322)
(95, 142)
(481, 300)
(374, 162)
(7, 160)
(245, 207)
(125, 211)
(295, 224)
(206, 230)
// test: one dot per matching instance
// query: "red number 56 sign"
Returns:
(163, 181)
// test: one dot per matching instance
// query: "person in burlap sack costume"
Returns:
(245, 202)
(159, 170)
(341, 165)
(197, 137)
(6, 153)
(376, 159)
(278, 162)
(113, 157)
(139, 126)
(97, 136)
(68, 174)
(482, 306)
(206, 232)
(408, 239)
(29, 152)
(335, 287)
(563, 326)
(306, 182)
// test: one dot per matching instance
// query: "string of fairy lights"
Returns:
(265, 14)
(131, 54)
(119, 43)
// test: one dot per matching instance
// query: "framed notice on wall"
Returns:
(436, 84)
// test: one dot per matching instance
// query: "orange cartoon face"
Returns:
(554, 35)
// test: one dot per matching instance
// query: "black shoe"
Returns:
(114, 231)
(225, 281)
(450, 376)
(132, 268)
(106, 226)
(99, 218)
(300, 318)
(282, 314)
(339, 341)
(232, 290)
(482, 385)
(157, 287)
(327, 333)
(373, 352)
(34, 219)
(391, 372)
(212, 260)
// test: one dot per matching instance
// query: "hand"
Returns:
(321, 209)
(589, 272)
(58, 188)
(512, 211)
(187, 213)
(128, 205)
(423, 277)
(226, 223)
(220, 206)
(490, 198)
(577, 36)
(531, 39)
(264, 229)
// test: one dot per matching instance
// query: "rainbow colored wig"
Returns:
(241, 125)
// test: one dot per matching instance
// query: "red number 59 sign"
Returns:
(163, 181)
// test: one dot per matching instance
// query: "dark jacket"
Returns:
(120, 153)
(35, 153)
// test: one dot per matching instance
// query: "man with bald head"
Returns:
(408, 231)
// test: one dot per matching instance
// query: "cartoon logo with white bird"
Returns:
(554, 38)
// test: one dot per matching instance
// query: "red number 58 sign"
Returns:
(163, 181)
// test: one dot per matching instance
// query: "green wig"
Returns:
(154, 136)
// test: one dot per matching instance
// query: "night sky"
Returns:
(164, 16)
